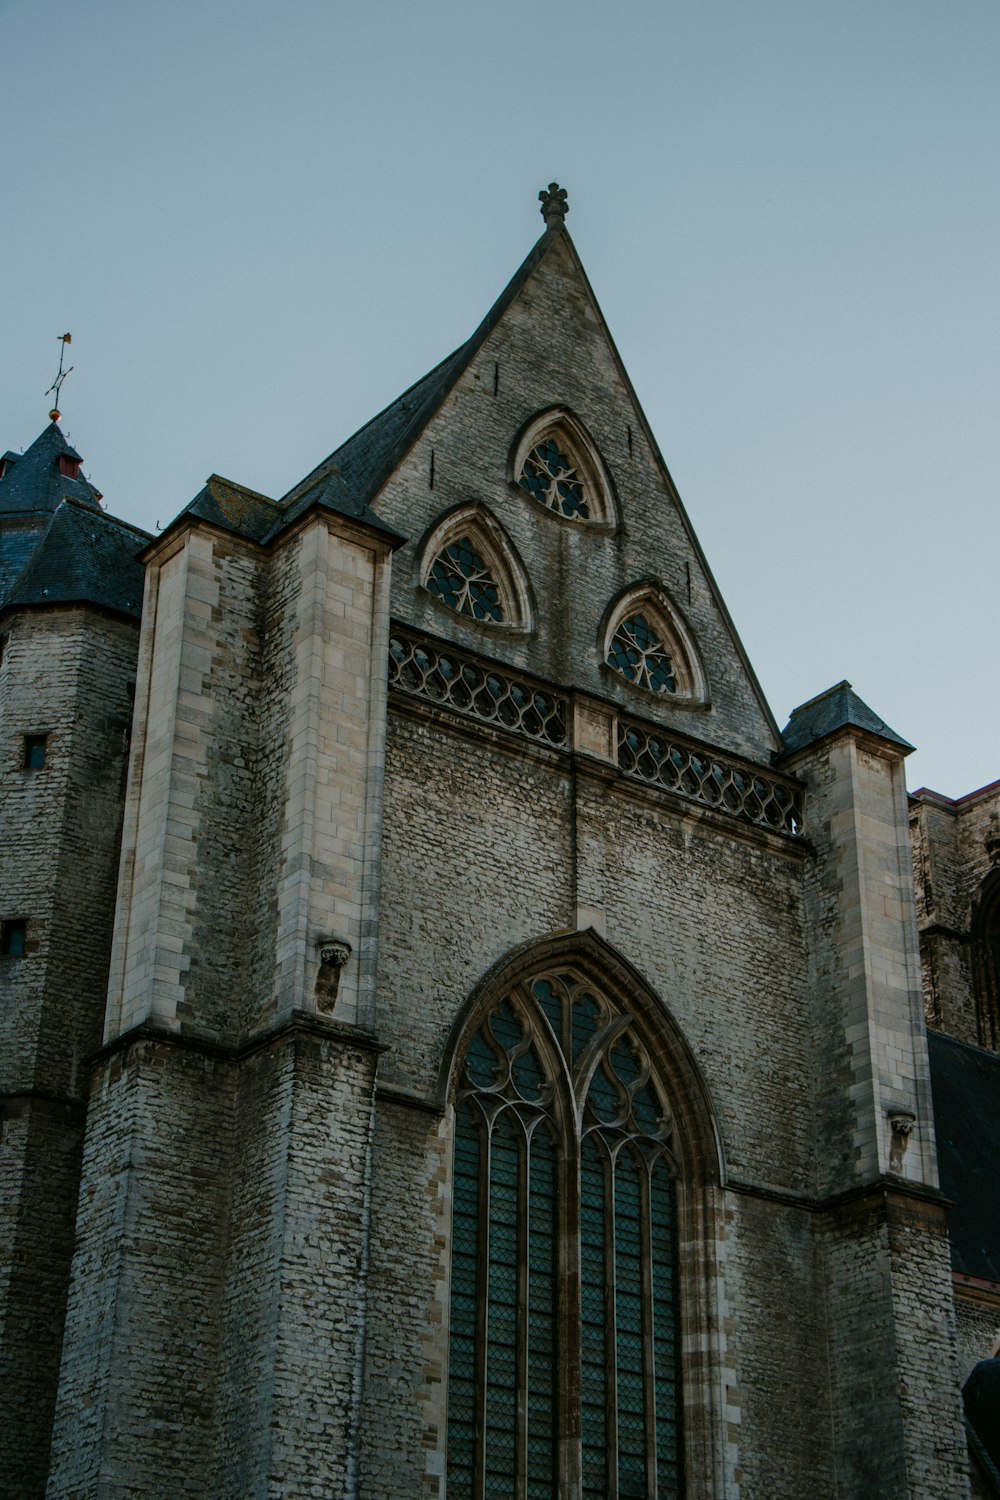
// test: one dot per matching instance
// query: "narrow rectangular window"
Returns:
(34, 752)
(13, 938)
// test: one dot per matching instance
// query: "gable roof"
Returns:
(31, 480)
(84, 557)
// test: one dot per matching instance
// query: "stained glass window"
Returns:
(550, 476)
(464, 581)
(638, 653)
(563, 1306)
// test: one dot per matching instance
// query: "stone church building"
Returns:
(453, 1043)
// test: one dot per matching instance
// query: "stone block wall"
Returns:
(66, 674)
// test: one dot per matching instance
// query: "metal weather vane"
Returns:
(56, 386)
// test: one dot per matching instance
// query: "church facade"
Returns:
(455, 1044)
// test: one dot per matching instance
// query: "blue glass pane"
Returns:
(506, 1027)
(604, 1099)
(502, 1289)
(527, 1075)
(629, 1320)
(550, 1000)
(637, 652)
(542, 1323)
(646, 1110)
(460, 578)
(585, 1015)
(464, 1266)
(593, 1318)
(482, 1062)
(625, 1063)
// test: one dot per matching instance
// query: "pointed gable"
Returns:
(452, 440)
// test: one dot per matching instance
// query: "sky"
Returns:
(261, 222)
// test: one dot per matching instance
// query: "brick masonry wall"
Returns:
(65, 674)
(297, 1263)
(977, 1324)
(952, 861)
(136, 1392)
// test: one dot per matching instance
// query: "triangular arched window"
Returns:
(645, 641)
(557, 464)
(469, 564)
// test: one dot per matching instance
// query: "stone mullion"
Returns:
(568, 1332)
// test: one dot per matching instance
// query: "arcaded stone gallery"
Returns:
(454, 1043)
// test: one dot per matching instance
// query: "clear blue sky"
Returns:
(261, 222)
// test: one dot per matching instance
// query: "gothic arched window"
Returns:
(564, 1355)
(645, 641)
(468, 563)
(556, 462)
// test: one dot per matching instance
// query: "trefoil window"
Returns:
(564, 1359)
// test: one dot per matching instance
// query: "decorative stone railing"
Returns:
(653, 755)
(440, 674)
(443, 675)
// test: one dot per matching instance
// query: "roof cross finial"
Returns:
(555, 204)
(56, 386)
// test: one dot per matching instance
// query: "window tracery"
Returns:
(462, 579)
(468, 564)
(637, 652)
(645, 641)
(563, 1311)
(556, 462)
(550, 477)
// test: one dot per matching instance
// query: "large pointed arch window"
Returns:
(556, 462)
(564, 1351)
(468, 563)
(644, 640)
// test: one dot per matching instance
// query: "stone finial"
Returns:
(555, 204)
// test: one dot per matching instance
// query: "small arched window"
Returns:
(564, 1365)
(645, 640)
(556, 462)
(469, 564)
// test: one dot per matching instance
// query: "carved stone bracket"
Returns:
(334, 954)
(901, 1123)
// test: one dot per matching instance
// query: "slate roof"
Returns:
(965, 1082)
(32, 481)
(350, 478)
(830, 711)
(84, 557)
(370, 457)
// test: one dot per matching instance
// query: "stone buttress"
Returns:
(216, 1318)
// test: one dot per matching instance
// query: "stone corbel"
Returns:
(334, 954)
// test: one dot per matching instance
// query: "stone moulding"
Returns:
(481, 690)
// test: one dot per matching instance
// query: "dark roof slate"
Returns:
(85, 557)
(234, 508)
(835, 709)
(32, 481)
(369, 458)
(965, 1083)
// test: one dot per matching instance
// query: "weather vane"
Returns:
(56, 386)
